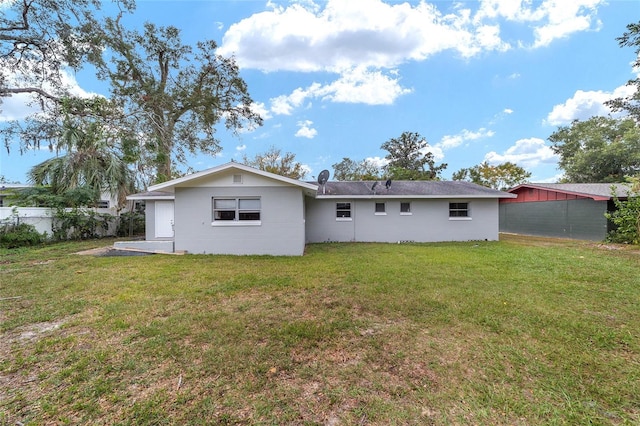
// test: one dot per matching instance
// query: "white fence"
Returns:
(42, 218)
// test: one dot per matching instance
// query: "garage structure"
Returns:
(566, 210)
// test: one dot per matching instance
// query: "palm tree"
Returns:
(91, 159)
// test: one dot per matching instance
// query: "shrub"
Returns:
(131, 223)
(14, 235)
(626, 217)
(79, 224)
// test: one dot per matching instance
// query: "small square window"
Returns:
(405, 208)
(458, 209)
(343, 210)
(380, 208)
(237, 178)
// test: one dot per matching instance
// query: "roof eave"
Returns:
(407, 196)
(139, 197)
(172, 184)
(564, 191)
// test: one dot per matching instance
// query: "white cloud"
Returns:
(17, 107)
(355, 40)
(564, 18)
(361, 85)
(262, 110)
(241, 148)
(337, 34)
(358, 85)
(585, 104)
(285, 104)
(549, 19)
(437, 151)
(452, 141)
(305, 130)
(500, 116)
(378, 161)
(526, 153)
(306, 170)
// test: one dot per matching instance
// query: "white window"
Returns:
(405, 208)
(236, 209)
(459, 210)
(237, 178)
(380, 209)
(343, 211)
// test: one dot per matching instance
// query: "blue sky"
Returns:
(480, 80)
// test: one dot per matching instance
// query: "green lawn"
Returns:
(521, 331)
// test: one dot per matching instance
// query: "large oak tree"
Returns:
(175, 93)
(274, 161)
(600, 149)
(410, 159)
(350, 170)
(501, 177)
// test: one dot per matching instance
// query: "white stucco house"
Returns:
(237, 209)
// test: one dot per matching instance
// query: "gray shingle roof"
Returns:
(408, 189)
(593, 189)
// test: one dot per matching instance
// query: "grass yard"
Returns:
(517, 332)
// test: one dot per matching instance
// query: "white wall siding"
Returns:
(42, 218)
(429, 221)
(281, 229)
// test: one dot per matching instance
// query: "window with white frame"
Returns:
(343, 210)
(380, 208)
(405, 208)
(236, 209)
(459, 210)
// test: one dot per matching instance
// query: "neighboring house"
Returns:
(42, 217)
(7, 192)
(237, 209)
(569, 210)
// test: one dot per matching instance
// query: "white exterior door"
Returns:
(164, 219)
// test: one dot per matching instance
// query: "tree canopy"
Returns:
(274, 161)
(175, 94)
(92, 155)
(350, 170)
(410, 159)
(631, 104)
(39, 39)
(600, 149)
(166, 97)
(501, 177)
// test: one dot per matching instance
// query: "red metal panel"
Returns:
(531, 195)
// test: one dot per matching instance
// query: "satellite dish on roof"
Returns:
(323, 177)
(388, 183)
(374, 185)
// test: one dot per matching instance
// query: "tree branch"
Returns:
(25, 22)
(7, 91)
